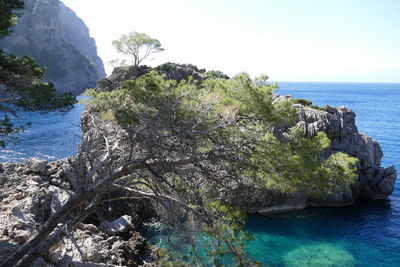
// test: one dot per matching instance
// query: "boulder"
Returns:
(119, 226)
(36, 165)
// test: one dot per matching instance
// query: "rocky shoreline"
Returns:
(34, 190)
(373, 182)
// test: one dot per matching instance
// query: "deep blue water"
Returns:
(52, 135)
(366, 234)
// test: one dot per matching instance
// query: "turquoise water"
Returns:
(366, 234)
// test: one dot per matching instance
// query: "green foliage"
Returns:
(301, 101)
(298, 165)
(307, 103)
(216, 74)
(22, 77)
(6, 128)
(225, 126)
(138, 45)
(166, 66)
(8, 14)
(246, 109)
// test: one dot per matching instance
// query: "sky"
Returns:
(289, 40)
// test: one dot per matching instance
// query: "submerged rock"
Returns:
(323, 255)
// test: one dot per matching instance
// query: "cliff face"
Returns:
(374, 181)
(56, 38)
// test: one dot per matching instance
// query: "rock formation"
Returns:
(374, 181)
(34, 190)
(56, 38)
(170, 70)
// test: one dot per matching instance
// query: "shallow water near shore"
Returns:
(367, 233)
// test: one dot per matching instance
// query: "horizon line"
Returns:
(335, 82)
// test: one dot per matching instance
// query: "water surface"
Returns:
(366, 234)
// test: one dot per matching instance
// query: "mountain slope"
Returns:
(58, 39)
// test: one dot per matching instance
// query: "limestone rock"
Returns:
(170, 70)
(36, 165)
(27, 202)
(374, 181)
(339, 124)
(56, 38)
(119, 226)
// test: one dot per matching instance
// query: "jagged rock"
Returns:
(267, 201)
(56, 38)
(8, 166)
(339, 124)
(373, 181)
(118, 76)
(89, 245)
(179, 72)
(59, 197)
(26, 203)
(170, 70)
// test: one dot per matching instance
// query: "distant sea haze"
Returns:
(366, 234)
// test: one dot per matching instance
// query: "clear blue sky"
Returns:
(289, 40)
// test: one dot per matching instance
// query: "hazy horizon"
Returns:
(293, 41)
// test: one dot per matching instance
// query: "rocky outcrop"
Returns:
(374, 181)
(34, 190)
(170, 70)
(56, 38)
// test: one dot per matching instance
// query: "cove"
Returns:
(359, 235)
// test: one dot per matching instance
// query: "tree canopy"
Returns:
(188, 147)
(138, 45)
(8, 14)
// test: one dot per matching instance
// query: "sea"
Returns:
(364, 234)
